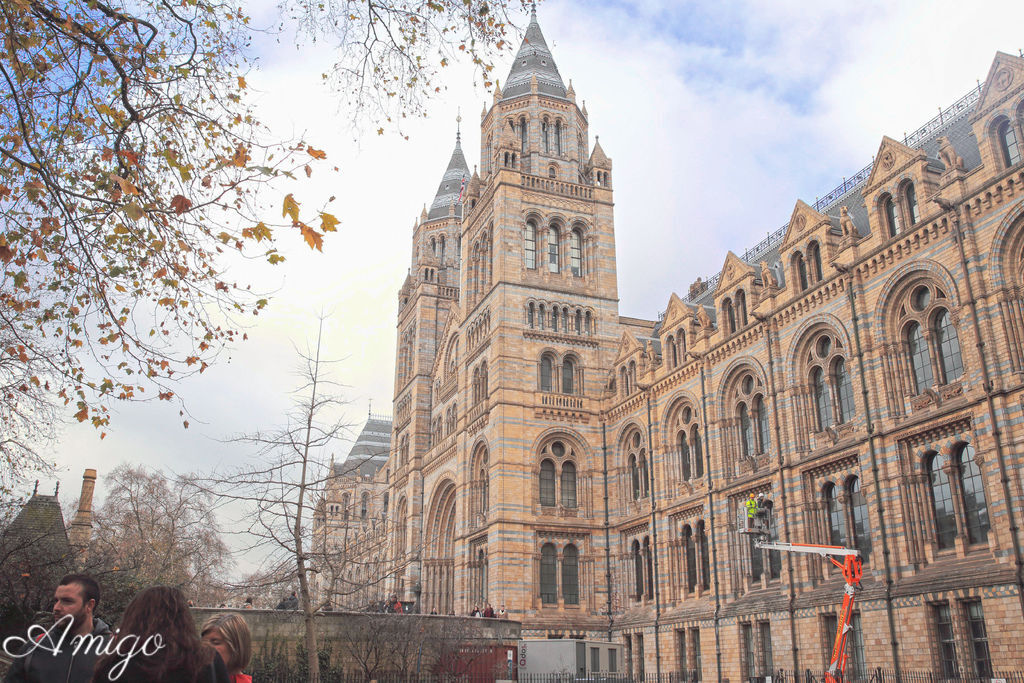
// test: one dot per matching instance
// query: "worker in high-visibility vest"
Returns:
(751, 506)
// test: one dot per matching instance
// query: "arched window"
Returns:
(364, 505)
(684, 454)
(729, 314)
(523, 134)
(558, 138)
(345, 501)
(859, 514)
(548, 579)
(756, 560)
(483, 381)
(634, 477)
(649, 562)
(571, 575)
(942, 501)
(547, 483)
(698, 456)
(801, 271)
(913, 211)
(587, 324)
(822, 400)
(568, 375)
(844, 390)
(761, 419)
(531, 244)
(892, 216)
(705, 558)
(741, 308)
(671, 352)
(814, 260)
(530, 315)
(948, 342)
(919, 358)
(636, 456)
(576, 252)
(568, 485)
(834, 513)
(553, 249)
(579, 321)
(972, 489)
(1007, 139)
(691, 558)
(638, 571)
(554, 318)
(545, 135)
(746, 431)
(546, 372)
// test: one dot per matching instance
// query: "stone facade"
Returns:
(864, 367)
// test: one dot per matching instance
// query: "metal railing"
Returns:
(944, 118)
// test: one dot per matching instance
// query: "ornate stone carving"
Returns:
(888, 160)
(1003, 79)
(950, 159)
(846, 223)
(768, 275)
(703, 318)
(799, 222)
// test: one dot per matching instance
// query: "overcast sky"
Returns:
(717, 115)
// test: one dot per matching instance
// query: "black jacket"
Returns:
(63, 666)
(215, 673)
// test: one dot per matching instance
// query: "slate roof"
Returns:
(953, 123)
(40, 518)
(370, 450)
(533, 59)
(451, 184)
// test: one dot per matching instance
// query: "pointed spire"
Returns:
(451, 182)
(534, 60)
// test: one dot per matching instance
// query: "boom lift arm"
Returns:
(851, 567)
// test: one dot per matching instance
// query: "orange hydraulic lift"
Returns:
(760, 524)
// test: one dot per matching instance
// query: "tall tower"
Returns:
(426, 302)
(509, 472)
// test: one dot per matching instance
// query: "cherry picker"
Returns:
(759, 524)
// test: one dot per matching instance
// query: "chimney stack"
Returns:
(81, 525)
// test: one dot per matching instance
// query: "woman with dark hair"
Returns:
(157, 642)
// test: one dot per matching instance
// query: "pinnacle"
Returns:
(534, 60)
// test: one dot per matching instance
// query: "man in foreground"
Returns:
(67, 650)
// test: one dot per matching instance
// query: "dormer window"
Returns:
(892, 217)
(814, 261)
(913, 211)
(1006, 137)
(729, 314)
(800, 266)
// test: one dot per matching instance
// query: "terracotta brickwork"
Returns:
(865, 370)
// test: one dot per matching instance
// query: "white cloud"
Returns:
(718, 116)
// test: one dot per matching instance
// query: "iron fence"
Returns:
(329, 675)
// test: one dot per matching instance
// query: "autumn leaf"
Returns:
(180, 204)
(328, 222)
(241, 156)
(241, 82)
(134, 211)
(314, 239)
(291, 208)
(83, 414)
(316, 153)
(125, 186)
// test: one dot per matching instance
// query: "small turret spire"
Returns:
(458, 126)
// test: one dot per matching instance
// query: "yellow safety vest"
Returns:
(751, 508)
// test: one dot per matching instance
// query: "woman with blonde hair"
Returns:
(229, 635)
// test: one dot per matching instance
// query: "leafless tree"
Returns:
(278, 490)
